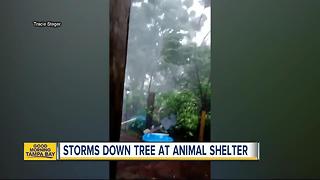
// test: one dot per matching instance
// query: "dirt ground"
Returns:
(161, 169)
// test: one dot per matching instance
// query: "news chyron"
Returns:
(141, 151)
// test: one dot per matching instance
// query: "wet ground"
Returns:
(161, 169)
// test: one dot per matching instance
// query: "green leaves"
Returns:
(137, 126)
(160, 46)
(174, 52)
(185, 105)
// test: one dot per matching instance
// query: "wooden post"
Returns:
(202, 125)
(119, 22)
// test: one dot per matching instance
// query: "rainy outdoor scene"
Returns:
(167, 88)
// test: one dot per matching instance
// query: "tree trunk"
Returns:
(150, 108)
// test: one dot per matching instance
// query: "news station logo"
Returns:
(40, 151)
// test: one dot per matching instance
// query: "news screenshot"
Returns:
(159, 89)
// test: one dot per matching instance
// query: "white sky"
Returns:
(199, 9)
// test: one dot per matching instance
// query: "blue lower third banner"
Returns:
(141, 151)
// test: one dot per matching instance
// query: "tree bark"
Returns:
(150, 108)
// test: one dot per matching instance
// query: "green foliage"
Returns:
(185, 105)
(174, 52)
(137, 126)
(150, 23)
(195, 62)
(180, 71)
(134, 103)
